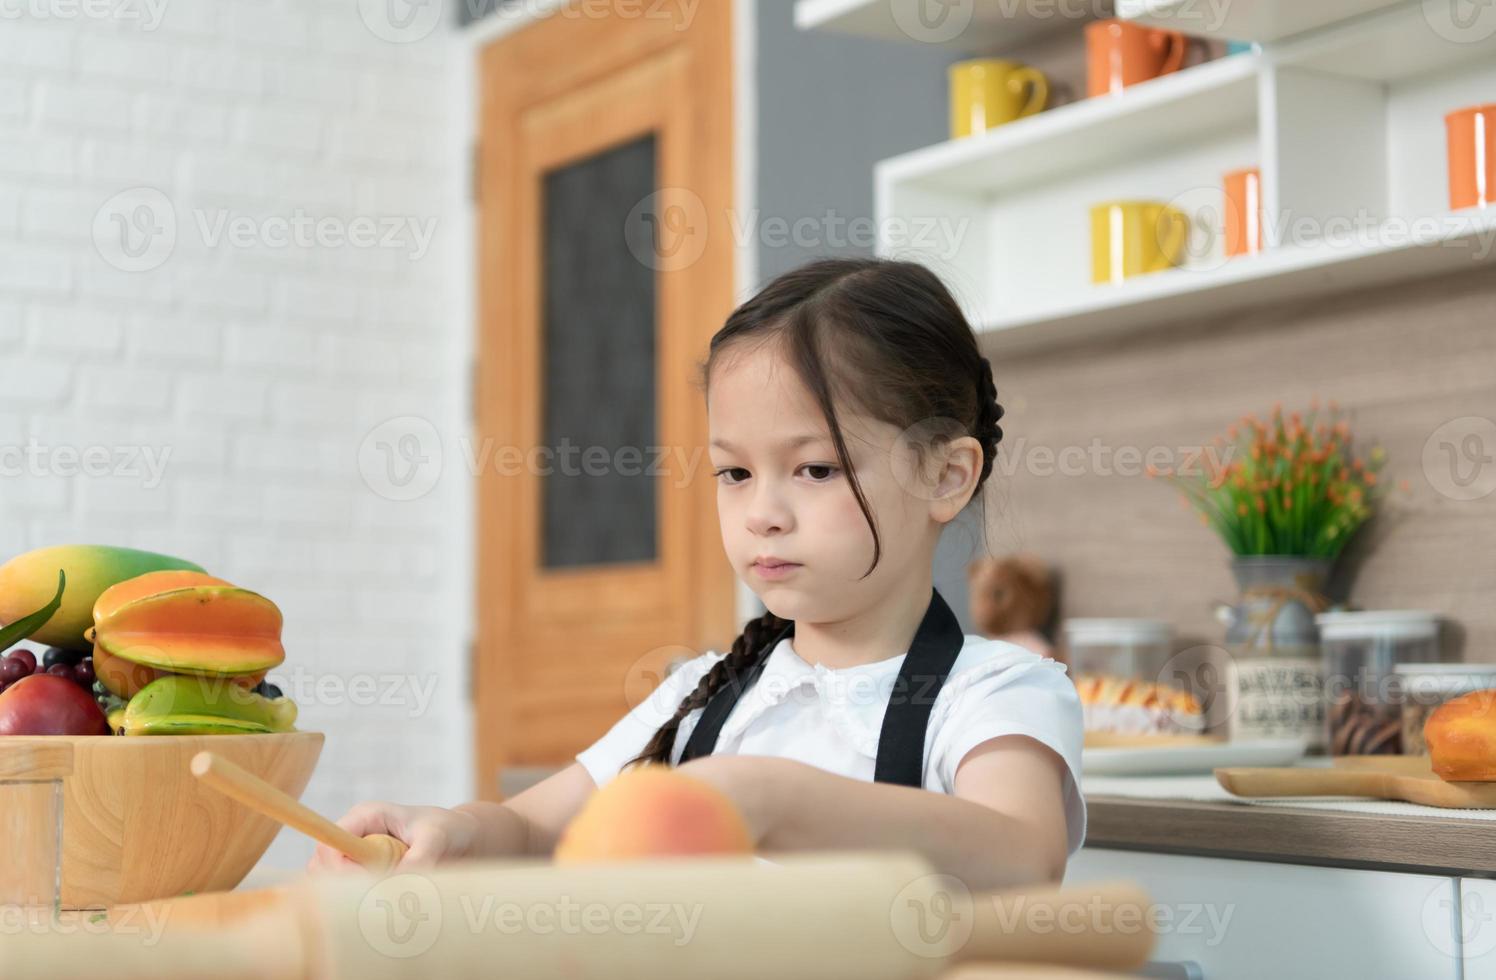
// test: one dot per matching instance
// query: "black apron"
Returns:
(901, 741)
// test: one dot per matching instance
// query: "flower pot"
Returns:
(1274, 684)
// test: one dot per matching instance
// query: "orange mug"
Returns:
(1243, 211)
(1472, 156)
(1120, 53)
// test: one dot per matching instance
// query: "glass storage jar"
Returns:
(1423, 687)
(1134, 648)
(1363, 710)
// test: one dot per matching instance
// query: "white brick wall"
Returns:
(258, 364)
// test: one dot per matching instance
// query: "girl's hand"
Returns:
(434, 835)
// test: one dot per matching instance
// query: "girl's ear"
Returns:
(957, 479)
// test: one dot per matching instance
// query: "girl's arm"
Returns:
(525, 826)
(1004, 826)
(530, 823)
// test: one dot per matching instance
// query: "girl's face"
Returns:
(781, 494)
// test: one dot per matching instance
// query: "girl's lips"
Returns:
(775, 571)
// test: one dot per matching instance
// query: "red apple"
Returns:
(46, 704)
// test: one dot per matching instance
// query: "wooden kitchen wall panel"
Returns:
(558, 728)
(1402, 361)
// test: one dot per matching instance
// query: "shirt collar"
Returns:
(852, 698)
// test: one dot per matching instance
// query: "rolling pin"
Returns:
(875, 915)
(377, 852)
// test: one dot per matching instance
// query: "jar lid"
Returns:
(1446, 669)
(1117, 630)
(1445, 680)
(1392, 623)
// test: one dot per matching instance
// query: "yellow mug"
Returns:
(1132, 238)
(987, 92)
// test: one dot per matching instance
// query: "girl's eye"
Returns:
(820, 472)
(734, 470)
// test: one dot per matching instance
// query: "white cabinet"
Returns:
(1478, 927)
(1254, 919)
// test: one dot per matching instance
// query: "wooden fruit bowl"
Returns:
(137, 826)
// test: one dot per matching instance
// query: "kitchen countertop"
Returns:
(1194, 815)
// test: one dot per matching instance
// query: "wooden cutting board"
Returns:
(1381, 781)
(1414, 765)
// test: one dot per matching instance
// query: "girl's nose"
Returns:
(768, 513)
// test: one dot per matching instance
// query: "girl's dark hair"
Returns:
(883, 335)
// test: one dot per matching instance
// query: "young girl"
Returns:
(851, 419)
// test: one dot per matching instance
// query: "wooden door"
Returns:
(605, 264)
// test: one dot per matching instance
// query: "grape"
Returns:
(83, 672)
(267, 690)
(61, 670)
(12, 670)
(57, 655)
(26, 657)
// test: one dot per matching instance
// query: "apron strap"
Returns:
(703, 738)
(901, 740)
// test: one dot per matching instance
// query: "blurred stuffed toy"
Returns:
(1012, 598)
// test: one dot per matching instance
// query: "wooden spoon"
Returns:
(377, 852)
(1379, 784)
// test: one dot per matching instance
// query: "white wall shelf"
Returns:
(1089, 134)
(1254, 20)
(983, 26)
(1345, 122)
(1450, 243)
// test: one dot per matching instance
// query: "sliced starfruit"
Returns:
(189, 623)
(185, 704)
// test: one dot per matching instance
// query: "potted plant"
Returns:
(1285, 495)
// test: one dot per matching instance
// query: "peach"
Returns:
(654, 811)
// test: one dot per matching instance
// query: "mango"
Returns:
(653, 811)
(180, 624)
(182, 704)
(28, 581)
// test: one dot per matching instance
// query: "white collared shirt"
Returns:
(831, 717)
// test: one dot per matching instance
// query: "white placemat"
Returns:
(1203, 787)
